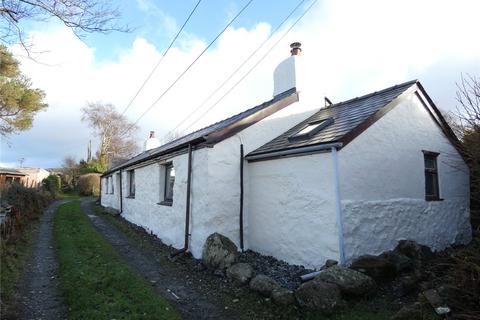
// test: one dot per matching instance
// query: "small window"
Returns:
(310, 129)
(111, 185)
(131, 183)
(431, 176)
(169, 182)
(107, 180)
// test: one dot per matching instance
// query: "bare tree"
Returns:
(82, 16)
(116, 132)
(467, 117)
(468, 96)
(70, 171)
(171, 136)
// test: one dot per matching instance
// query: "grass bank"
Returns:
(16, 236)
(97, 283)
(13, 258)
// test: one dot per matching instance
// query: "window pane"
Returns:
(430, 163)
(169, 182)
(132, 183)
(431, 184)
(308, 128)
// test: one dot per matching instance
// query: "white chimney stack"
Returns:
(294, 72)
(289, 72)
(151, 142)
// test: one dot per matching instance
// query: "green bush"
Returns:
(52, 184)
(89, 184)
(27, 204)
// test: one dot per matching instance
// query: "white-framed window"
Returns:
(432, 191)
(131, 183)
(167, 181)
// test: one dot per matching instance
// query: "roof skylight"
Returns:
(310, 129)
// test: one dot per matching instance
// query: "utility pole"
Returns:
(89, 153)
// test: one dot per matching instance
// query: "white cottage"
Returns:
(302, 183)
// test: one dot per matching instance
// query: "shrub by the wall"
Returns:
(89, 184)
(52, 184)
(27, 204)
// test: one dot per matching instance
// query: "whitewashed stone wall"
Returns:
(111, 200)
(292, 209)
(383, 185)
(220, 191)
(215, 193)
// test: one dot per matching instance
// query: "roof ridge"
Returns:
(277, 97)
(410, 82)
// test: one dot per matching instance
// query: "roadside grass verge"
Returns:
(97, 283)
(13, 258)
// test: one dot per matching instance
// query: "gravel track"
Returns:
(190, 302)
(40, 294)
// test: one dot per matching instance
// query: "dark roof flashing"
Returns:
(294, 152)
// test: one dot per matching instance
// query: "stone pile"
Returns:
(333, 285)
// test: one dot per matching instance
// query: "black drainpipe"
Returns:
(241, 197)
(187, 209)
(121, 196)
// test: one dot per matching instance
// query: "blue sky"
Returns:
(351, 48)
(158, 21)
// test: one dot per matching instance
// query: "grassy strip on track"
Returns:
(97, 283)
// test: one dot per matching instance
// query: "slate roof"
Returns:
(217, 131)
(347, 116)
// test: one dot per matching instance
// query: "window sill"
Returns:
(165, 203)
(130, 197)
(434, 199)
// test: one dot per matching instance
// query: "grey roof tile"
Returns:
(347, 116)
(202, 133)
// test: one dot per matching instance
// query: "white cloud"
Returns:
(351, 48)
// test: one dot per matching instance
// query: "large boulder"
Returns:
(399, 260)
(263, 285)
(413, 250)
(219, 252)
(350, 282)
(379, 268)
(319, 296)
(283, 296)
(241, 273)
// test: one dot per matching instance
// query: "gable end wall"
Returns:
(383, 184)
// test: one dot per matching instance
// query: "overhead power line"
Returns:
(236, 70)
(161, 58)
(191, 64)
(254, 66)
